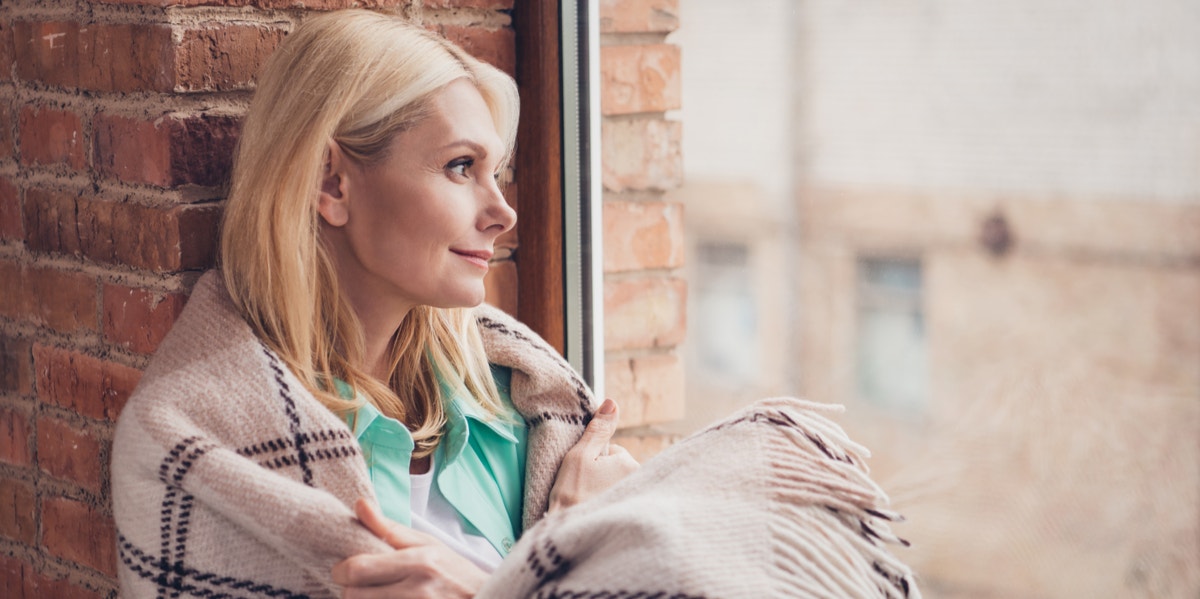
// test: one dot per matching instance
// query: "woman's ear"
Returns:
(333, 199)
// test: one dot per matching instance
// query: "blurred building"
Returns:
(988, 248)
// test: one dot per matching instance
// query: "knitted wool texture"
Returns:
(773, 502)
(231, 481)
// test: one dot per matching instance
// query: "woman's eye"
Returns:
(459, 166)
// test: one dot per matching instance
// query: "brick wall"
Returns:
(644, 292)
(117, 121)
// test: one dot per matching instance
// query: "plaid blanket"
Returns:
(230, 480)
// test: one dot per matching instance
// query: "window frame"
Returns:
(557, 166)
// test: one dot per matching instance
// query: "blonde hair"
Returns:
(357, 78)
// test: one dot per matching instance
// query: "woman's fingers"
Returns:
(593, 464)
(423, 570)
(420, 566)
(599, 431)
(372, 569)
(395, 534)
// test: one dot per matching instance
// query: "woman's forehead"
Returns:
(457, 114)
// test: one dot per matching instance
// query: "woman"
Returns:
(332, 415)
(336, 360)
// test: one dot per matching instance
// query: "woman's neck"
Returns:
(379, 322)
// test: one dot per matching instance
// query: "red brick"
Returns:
(202, 148)
(198, 237)
(641, 154)
(14, 437)
(138, 319)
(172, 2)
(485, 4)
(649, 389)
(305, 4)
(659, 382)
(495, 46)
(19, 580)
(68, 453)
(126, 57)
(75, 531)
(13, 574)
(642, 444)
(16, 365)
(639, 79)
(10, 211)
(50, 136)
(63, 301)
(639, 16)
(644, 313)
(16, 511)
(223, 58)
(81, 383)
(141, 56)
(167, 151)
(7, 148)
(6, 51)
(47, 52)
(37, 585)
(642, 235)
(103, 57)
(162, 239)
(133, 150)
(51, 222)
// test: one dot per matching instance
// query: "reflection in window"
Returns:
(891, 355)
(724, 303)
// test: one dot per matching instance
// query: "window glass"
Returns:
(890, 353)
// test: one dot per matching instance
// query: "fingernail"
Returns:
(608, 407)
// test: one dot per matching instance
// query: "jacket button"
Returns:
(507, 543)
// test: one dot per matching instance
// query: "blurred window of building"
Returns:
(725, 303)
(891, 346)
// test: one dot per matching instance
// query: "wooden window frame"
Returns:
(557, 166)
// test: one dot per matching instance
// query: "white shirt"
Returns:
(432, 514)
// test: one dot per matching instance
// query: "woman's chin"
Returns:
(469, 299)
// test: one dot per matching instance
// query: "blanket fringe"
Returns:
(821, 490)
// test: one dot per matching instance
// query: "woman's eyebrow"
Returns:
(474, 146)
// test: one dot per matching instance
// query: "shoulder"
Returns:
(210, 378)
(510, 343)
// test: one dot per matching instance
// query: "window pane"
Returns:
(891, 355)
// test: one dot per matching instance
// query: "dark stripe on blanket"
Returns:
(280, 444)
(177, 576)
(865, 530)
(332, 453)
(553, 570)
(173, 456)
(561, 594)
(782, 419)
(180, 458)
(167, 515)
(568, 418)
(289, 407)
(181, 532)
(577, 385)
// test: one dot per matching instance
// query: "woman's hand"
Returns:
(420, 566)
(593, 464)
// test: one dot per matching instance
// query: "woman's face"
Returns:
(418, 227)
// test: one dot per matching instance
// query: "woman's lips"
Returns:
(477, 257)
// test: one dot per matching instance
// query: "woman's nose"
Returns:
(497, 213)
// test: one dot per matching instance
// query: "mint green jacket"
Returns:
(479, 465)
